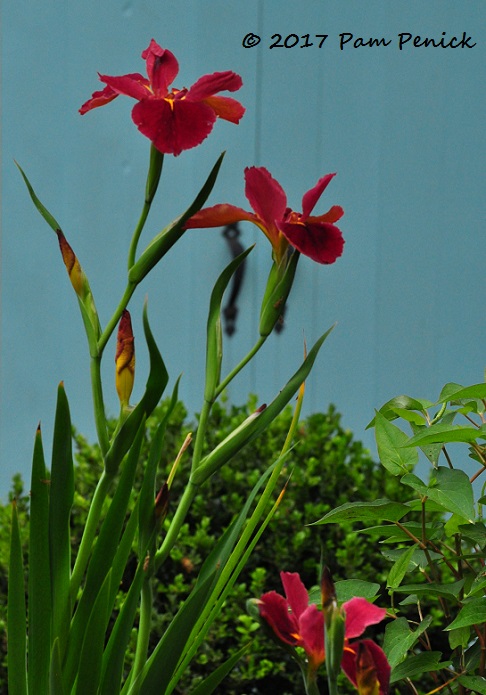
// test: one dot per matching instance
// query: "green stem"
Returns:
(332, 687)
(240, 366)
(201, 433)
(176, 524)
(111, 325)
(311, 688)
(136, 234)
(146, 605)
(153, 178)
(89, 533)
(98, 404)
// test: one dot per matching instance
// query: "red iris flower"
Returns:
(175, 119)
(297, 623)
(315, 236)
(293, 620)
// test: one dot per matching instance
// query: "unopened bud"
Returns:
(162, 503)
(279, 284)
(334, 621)
(75, 272)
(125, 359)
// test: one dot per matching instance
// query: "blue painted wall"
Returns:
(403, 129)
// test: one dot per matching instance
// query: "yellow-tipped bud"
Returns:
(125, 359)
(75, 272)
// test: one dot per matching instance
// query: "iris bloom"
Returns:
(293, 620)
(173, 119)
(297, 623)
(316, 236)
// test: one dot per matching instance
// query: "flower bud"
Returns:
(75, 272)
(125, 359)
(279, 284)
(162, 503)
(334, 621)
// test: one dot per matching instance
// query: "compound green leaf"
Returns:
(399, 638)
(472, 613)
(378, 510)
(452, 489)
(415, 665)
(390, 441)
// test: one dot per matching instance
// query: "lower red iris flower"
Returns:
(296, 622)
(173, 119)
(316, 236)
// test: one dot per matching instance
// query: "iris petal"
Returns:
(275, 610)
(295, 592)
(311, 197)
(321, 242)
(100, 98)
(173, 127)
(133, 85)
(359, 614)
(219, 216)
(226, 108)
(162, 67)
(311, 626)
(208, 85)
(382, 667)
(267, 198)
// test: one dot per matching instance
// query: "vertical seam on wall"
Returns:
(258, 88)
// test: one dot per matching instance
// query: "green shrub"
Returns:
(327, 467)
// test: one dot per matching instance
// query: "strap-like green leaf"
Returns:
(61, 499)
(257, 423)
(39, 573)
(210, 683)
(102, 559)
(214, 346)
(147, 492)
(162, 663)
(51, 221)
(89, 671)
(114, 655)
(16, 617)
(159, 246)
(55, 670)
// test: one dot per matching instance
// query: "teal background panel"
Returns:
(404, 130)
